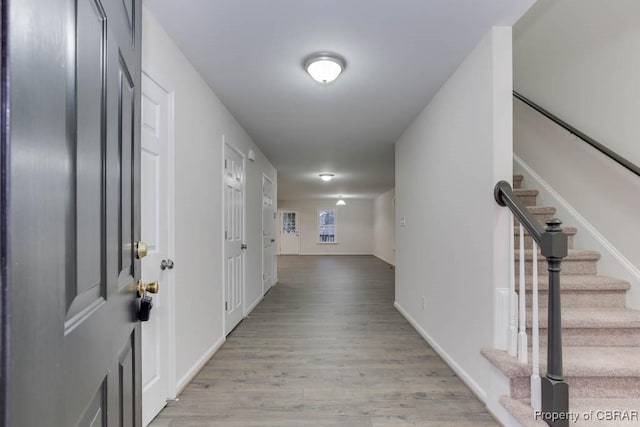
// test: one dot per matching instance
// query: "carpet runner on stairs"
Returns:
(601, 337)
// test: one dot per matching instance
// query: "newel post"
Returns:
(555, 391)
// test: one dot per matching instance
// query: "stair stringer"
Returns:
(499, 385)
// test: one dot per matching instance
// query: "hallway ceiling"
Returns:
(398, 54)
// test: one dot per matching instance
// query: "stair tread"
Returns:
(594, 318)
(578, 362)
(577, 282)
(522, 411)
(572, 254)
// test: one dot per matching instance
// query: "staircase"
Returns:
(601, 337)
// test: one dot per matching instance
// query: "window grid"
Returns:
(327, 226)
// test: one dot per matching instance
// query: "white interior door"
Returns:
(234, 244)
(156, 232)
(268, 238)
(289, 232)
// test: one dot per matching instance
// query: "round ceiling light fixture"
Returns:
(326, 176)
(324, 67)
(340, 202)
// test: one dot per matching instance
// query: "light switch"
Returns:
(403, 221)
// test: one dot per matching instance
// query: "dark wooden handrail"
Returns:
(586, 138)
(553, 246)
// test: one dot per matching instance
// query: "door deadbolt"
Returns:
(141, 250)
(243, 246)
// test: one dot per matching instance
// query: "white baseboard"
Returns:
(253, 306)
(612, 261)
(385, 260)
(335, 253)
(464, 376)
(191, 373)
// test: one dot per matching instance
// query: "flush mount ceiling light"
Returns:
(326, 176)
(341, 202)
(324, 67)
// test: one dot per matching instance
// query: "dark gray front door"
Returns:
(73, 213)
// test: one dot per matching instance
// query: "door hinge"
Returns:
(226, 306)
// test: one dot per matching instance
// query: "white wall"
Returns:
(354, 226)
(603, 193)
(383, 234)
(201, 120)
(453, 250)
(579, 59)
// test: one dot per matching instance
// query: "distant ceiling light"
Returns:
(324, 67)
(341, 202)
(326, 176)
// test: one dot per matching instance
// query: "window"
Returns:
(288, 222)
(327, 226)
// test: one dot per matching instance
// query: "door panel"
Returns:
(267, 233)
(234, 236)
(74, 213)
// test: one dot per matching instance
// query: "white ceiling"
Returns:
(398, 53)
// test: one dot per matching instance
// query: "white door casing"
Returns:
(289, 227)
(268, 238)
(158, 353)
(234, 244)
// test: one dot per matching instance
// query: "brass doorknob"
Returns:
(152, 287)
(141, 250)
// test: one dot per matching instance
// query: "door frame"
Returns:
(171, 248)
(224, 144)
(298, 228)
(4, 210)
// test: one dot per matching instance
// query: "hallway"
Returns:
(326, 347)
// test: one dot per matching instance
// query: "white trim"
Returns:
(193, 371)
(333, 253)
(222, 239)
(610, 256)
(501, 319)
(171, 244)
(385, 260)
(462, 374)
(254, 305)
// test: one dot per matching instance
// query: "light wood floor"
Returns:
(326, 347)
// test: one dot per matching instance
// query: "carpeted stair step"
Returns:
(576, 262)
(526, 196)
(591, 372)
(580, 291)
(528, 240)
(588, 412)
(517, 181)
(605, 327)
(541, 213)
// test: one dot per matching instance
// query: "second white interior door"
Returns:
(234, 245)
